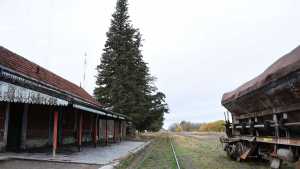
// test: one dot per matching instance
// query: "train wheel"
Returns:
(230, 150)
(240, 149)
(234, 151)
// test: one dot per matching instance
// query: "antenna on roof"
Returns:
(84, 69)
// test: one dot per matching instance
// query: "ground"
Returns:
(158, 155)
(24, 164)
(69, 157)
(194, 151)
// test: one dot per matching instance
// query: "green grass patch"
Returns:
(125, 163)
(158, 155)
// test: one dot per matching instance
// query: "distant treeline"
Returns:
(216, 126)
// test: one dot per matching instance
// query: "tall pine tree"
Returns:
(124, 83)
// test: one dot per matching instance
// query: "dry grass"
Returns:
(195, 153)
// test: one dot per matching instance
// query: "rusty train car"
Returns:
(265, 114)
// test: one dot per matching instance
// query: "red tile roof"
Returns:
(23, 66)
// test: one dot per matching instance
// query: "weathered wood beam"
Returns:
(114, 132)
(80, 130)
(106, 132)
(55, 128)
(95, 130)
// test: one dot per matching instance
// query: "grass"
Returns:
(125, 163)
(196, 153)
(158, 155)
(193, 152)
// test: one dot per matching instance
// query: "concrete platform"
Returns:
(89, 155)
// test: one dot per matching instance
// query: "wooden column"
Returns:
(275, 119)
(99, 129)
(24, 127)
(55, 128)
(124, 129)
(75, 127)
(7, 110)
(120, 130)
(96, 130)
(60, 129)
(50, 129)
(117, 130)
(114, 132)
(80, 131)
(106, 132)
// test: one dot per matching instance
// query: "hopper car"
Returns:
(263, 118)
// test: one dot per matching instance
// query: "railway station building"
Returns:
(41, 109)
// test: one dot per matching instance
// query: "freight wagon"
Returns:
(264, 114)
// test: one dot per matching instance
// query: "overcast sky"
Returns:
(198, 49)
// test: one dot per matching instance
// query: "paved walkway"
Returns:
(25, 164)
(88, 155)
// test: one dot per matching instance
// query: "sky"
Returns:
(197, 49)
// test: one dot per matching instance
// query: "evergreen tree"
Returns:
(124, 83)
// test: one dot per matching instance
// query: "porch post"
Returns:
(24, 127)
(96, 130)
(114, 132)
(106, 132)
(60, 129)
(75, 127)
(80, 130)
(124, 129)
(7, 110)
(99, 129)
(55, 126)
(117, 130)
(120, 130)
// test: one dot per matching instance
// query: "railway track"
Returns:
(155, 146)
(148, 152)
(174, 153)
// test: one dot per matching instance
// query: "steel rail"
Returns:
(177, 163)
